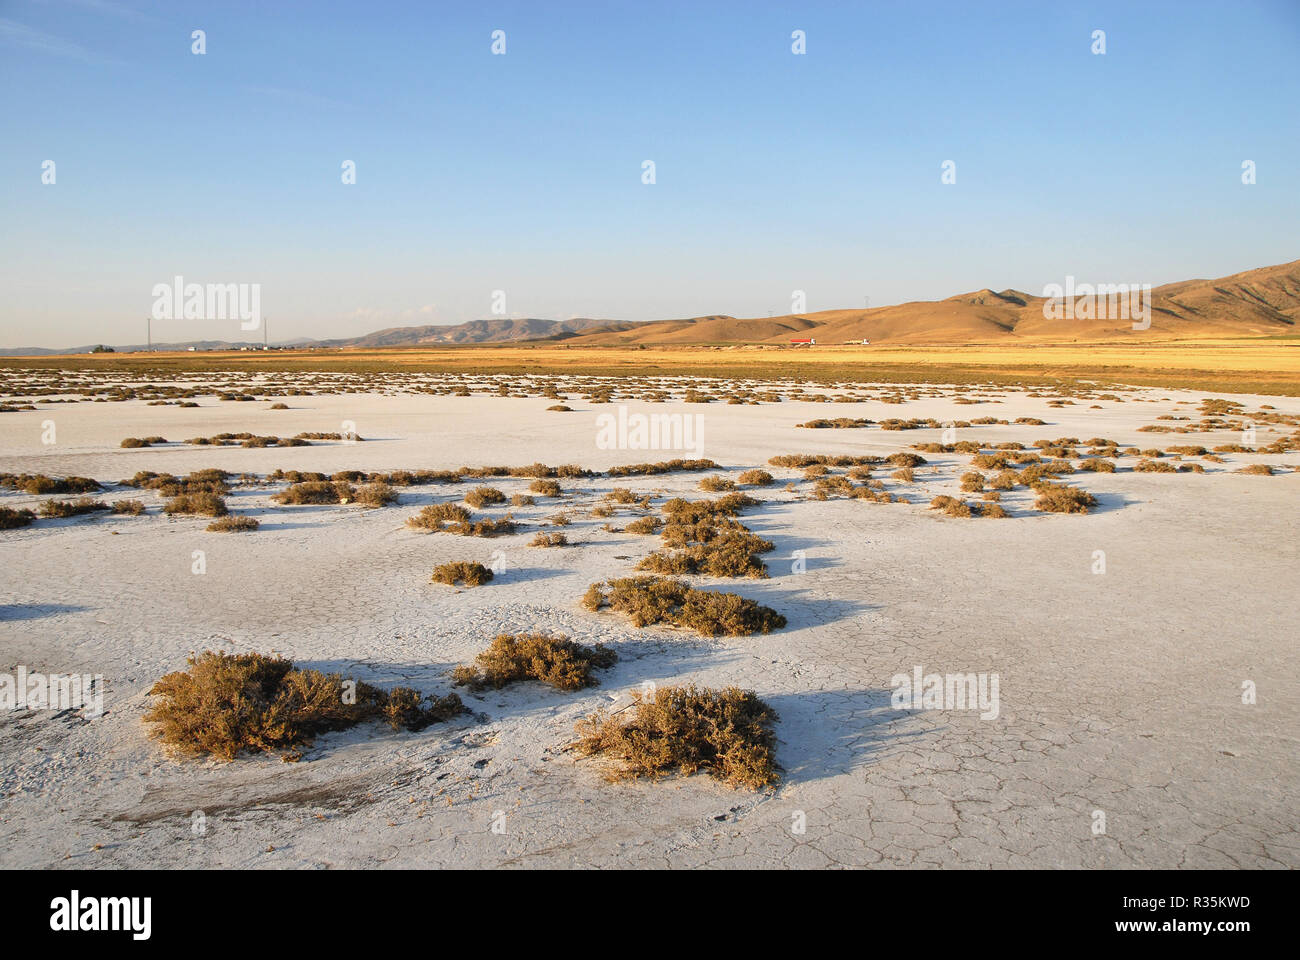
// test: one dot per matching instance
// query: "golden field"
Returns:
(1254, 365)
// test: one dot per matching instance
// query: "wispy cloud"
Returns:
(15, 34)
(109, 8)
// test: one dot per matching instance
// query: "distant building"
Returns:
(808, 342)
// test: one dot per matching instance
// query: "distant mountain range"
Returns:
(1260, 302)
(500, 330)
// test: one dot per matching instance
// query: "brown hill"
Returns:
(715, 329)
(1260, 302)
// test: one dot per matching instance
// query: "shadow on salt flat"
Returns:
(36, 611)
(828, 733)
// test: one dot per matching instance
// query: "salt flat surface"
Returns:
(1119, 692)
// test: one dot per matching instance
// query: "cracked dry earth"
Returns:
(1119, 692)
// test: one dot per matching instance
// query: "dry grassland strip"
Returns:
(1262, 366)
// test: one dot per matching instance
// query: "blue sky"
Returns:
(774, 172)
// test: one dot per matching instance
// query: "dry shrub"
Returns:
(437, 515)
(1097, 465)
(650, 600)
(689, 511)
(377, 494)
(1004, 480)
(1257, 470)
(234, 524)
(683, 531)
(561, 520)
(726, 553)
(11, 519)
(549, 540)
(905, 475)
(717, 484)
(840, 423)
(316, 491)
(72, 508)
(297, 476)
(993, 510)
(644, 525)
(225, 704)
(201, 504)
(483, 528)
(874, 495)
(666, 466)
(727, 733)
(1036, 472)
(625, 496)
(893, 423)
(521, 500)
(554, 660)
(546, 488)
(821, 459)
(560, 408)
(461, 571)
(408, 478)
(755, 478)
(1154, 466)
(129, 507)
(1056, 498)
(315, 435)
(951, 506)
(40, 484)
(972, 482)
(200, 481)
(481, 497)
(833, 486)
(906, 460)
